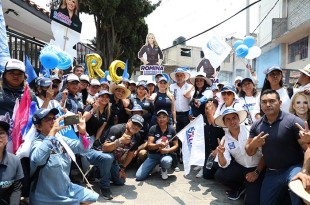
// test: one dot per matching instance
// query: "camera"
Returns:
(71, 120)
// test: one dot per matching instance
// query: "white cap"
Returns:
(84, 77)
(72, 77)
(94, 82)
(14, 64)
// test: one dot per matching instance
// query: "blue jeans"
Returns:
(148, 165)
(104, 162)
(275, 182)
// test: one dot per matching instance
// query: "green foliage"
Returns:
(121, 29)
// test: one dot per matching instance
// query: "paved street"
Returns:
(177, 189)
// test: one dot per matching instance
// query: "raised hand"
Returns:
(56, 127)
(259, 140)
(82, 124)
(50, 92)
(304, 133)
(220, 148)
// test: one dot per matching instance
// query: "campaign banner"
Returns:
(151, 69)
(193, 144)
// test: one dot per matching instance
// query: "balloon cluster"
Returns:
(246, 48)
(52, 56)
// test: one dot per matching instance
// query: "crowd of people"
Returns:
(258, 140)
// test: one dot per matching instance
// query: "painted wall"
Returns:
(267, 59)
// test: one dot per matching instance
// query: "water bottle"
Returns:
(210, 161)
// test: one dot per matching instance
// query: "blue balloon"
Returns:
(237, 43)
(49, 60)
(65, 60)
(249, 41)
(242, 50)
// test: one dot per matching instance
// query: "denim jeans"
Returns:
(275, 182)
(152, 160)
(104, 162)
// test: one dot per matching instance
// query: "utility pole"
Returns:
(247, 32)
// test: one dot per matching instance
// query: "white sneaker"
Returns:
(177, 169)
(199, 174)
(164, 174)
(155, 169)
(197, 168)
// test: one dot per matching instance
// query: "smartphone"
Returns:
(71, 120)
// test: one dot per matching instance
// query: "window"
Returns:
(186, 52)
(298, 50)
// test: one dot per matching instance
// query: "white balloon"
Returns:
(254, 52)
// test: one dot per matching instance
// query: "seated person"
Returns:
(161, 144)
(49, 156)
(11, 171)
(244, 170)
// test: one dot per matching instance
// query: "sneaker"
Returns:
(106, 193)
(235, 195)
(177, 169)
(164, 174)
(156, 169)
(199, 174)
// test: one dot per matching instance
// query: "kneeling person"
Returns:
(244, 170)
(160, 147)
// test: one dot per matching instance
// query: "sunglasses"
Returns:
(226, 93)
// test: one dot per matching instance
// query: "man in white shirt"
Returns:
(242, 173)
(182, 95)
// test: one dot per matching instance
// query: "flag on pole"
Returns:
(31, 74)
(45, 72)
(215, 49)
(21, 119)
(193, 144)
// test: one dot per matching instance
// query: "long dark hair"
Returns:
(197, 92)
(267, 85)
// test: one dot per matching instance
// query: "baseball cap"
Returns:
(84, 77)
(246, 79)
(162, 79)
(272, 68)
(73, 77)
(41, 113)
(137, 119)
(14, 64)
(5, 121)
(162, 111)
(141, 84)
(103, 92)
(55, 77)
(94, 82)
(44, 82)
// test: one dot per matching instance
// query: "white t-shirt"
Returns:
(51, 104)
(236, 148)
(181, 103)
(249, 104)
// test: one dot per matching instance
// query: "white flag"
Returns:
(193, 144)
(215, 49)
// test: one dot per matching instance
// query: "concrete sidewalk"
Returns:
(177, 189)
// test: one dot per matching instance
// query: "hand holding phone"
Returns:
(71, 120)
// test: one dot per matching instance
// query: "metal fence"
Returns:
(21, 46)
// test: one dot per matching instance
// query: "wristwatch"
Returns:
(257, 172)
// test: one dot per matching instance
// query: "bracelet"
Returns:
(257, 172)
(118, 143)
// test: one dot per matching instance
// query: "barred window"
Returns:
(298, 50)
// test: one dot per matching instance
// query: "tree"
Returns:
(121, 28)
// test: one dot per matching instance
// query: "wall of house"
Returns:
(298, 13)
(265, 29)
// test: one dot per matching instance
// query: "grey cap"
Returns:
(137, 119)
(162, 111)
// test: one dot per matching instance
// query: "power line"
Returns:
(266, 16)
(215, 25)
